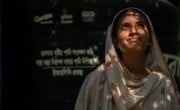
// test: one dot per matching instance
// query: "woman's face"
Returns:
(132, 33)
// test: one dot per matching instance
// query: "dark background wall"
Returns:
(38, 35)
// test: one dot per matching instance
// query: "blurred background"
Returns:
(49, 46)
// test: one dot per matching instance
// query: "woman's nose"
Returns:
(133, 29)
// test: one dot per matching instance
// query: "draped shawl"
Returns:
(105, 88)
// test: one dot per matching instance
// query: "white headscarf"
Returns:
(154, 59)
(106, 87)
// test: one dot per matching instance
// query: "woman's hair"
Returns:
(117, 21)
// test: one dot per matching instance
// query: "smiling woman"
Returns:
(132, 33)
(132, 39)
(134, 75)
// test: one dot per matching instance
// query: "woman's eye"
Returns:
(124, 26)
(141, 25)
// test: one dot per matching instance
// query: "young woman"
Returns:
(134, 75)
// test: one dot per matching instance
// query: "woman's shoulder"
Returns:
(96, 76)
(160, 74)
(164, 77)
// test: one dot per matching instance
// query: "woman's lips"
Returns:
(133, 40)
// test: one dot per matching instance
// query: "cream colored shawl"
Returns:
(106, 87)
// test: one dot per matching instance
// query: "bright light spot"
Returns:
(96, 60)
(168, 97)
(168, 82)
(155, 105)
(118, 90)
(108, 96)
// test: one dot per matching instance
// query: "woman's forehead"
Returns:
(137, 15)
(132, 13)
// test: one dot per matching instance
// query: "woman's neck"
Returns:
(135, 65)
